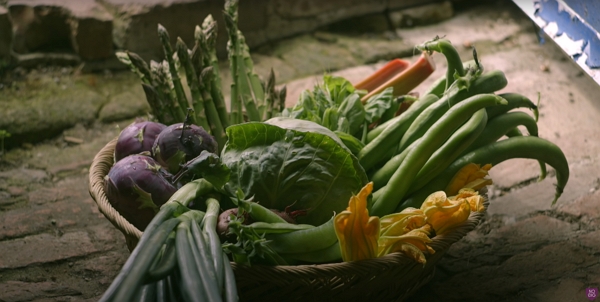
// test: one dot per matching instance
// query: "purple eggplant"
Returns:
(136, 138)
(136, 187)
(180, 143)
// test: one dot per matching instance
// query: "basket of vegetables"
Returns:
(354, 193)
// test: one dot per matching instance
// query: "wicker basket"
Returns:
(390, 278)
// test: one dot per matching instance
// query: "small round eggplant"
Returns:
(136, 186)
(136, 138)
(180, 143)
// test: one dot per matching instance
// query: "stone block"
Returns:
(39, 25)
(136, 21)
(91, 30)
(125, 105)
(84, 27)
(5, 35)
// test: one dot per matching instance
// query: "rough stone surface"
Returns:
(126, 105)
(524, 250)
(422, 15)
(5, 35)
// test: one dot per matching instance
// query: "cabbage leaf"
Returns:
(303, 168)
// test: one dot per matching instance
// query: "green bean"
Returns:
(506, 125)
(304, 241)
(401, 180)
(514, 132)
(438, 87)
(405, 118)
(514, 100)
(451, 149)
(499, 126)
(455, 64)
(515, 147)
(370, 155)
(381, 177)
(485, 83)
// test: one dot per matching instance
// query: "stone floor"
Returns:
(56, 246)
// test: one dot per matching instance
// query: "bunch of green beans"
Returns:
(460, 120)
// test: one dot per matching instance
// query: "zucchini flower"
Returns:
(401, 223)
(444, 214)
(470, 176)
(412, 244)
(363, 237)
(472, 197)
(357, 232)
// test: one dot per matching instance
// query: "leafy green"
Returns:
(292, 163)
(336, 105)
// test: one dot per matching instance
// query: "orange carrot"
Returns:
(383, 74)
(407, 80)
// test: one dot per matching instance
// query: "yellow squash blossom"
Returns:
(357, 232)
(444, 214)
(412, 244)
(363, 237)
(401, 223)
(470, 176)
(472, 197)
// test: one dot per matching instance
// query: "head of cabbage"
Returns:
(292, 163)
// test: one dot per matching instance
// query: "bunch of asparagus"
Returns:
(251, 99)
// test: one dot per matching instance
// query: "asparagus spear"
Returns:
(241, 87)
(192, 80)
(209, 33)
(216, 126)
(162, 78)
(163, 35)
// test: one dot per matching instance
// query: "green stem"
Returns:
(142, 67)
(161, 78)
(166, 44)
(211, 111)
(455, 64)
(192, 80)
(238, 64)
(209, 32)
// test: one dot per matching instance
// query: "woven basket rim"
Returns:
(104, 160)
